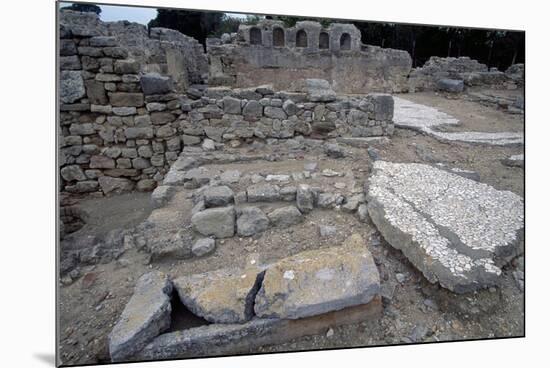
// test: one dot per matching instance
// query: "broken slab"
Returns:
(319, 281)
(146, 315)
(227, 339)
(426, 119)
(222, 296)
(456, 231)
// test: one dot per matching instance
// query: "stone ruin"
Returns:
(151, 111)
(453, 74)
(128, 108)
(271, 53)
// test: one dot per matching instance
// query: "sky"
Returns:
(112, 13)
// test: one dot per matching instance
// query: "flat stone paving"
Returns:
(411, 115)
(455, 230)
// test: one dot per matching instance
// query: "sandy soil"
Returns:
(415, 311)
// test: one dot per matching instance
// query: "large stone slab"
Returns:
(222, 296)
(319, 281)
(227, 339)
(455, 230)
(146, 315)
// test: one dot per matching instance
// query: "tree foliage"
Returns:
(81, 7)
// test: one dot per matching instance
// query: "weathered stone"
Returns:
(126, 67)
(217, 222)
(319, 281)
(285, 216)
(222, 296)
(72, 173)
(227, 339)
(161, 117)
(305, 198)
(115, 52)
(124, 111)
(161, 195)
(290, 108)
(319, 90)
(231, 105)
(101, 162)
(252, 109)
(326, 231)
(382, 106)
(274, 112)
(71, 86)
(69, 63)
(454, 230)
(146, 185)
(218, 196)
(96, 92)
(251, 221)
(123, 99)
(138, 133)
(334, 150)
(146, 315)
(67, 48)
(103, 41)
(450, 85)
(203, 247)
(115, 185)
(263, 193)
(353, 202)
(154, 83)
(170, 246)
(155, 106)
(230, 176)
(189, 140)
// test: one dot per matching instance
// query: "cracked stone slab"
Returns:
(456, 231)
(228, 339)
(146, 315)
(424, 118)
(319, 281)
(222, 296)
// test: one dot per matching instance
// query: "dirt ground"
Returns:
(414, 309)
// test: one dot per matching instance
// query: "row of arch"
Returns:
(301, 38)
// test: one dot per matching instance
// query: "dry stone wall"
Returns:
(470, 72)
(270, 53)
(122, 123)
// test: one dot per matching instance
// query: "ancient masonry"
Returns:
(122, 125)
(257, 55)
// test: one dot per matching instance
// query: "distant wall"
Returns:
(271, 53)
(472, 72)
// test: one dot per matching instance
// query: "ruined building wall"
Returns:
(161, 50)
(271, 53)
(472, 72)
(122, 125)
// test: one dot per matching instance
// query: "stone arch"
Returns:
(255, 36)
(345, 41)
(278, 37)
(301, 38)
(323, 40)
